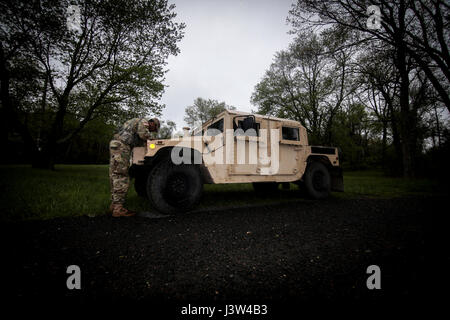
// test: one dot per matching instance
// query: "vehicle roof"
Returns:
(261, 116)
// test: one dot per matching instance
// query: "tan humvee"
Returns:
(234, 147)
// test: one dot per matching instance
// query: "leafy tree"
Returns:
(308, 83)
(379, 91)
(419, 28)
(351, 131)
(91, 145)
(167, 129)
(414, 31)
(202, 110)
(110, 66)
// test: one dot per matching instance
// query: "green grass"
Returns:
(27, 193)
(374, 184)
(75, 190)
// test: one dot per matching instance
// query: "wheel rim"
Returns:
(177, 188)
(318, 181)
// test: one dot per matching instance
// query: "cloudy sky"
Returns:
(227, 47)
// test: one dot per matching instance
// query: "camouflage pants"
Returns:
(118, 170)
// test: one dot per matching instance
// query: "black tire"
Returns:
(265, 188)
(174, 188)
(317, 181)
(140, 185)
(140, 174)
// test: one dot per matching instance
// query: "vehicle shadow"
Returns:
(225, 196)
(244, 194)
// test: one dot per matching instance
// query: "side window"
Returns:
(215, 129)
(254, 132)
(289, 133)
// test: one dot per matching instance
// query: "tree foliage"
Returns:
(110, 66)
(167, 129)
(308, 83)
(389, 57)
(419, 27)
(202, 110)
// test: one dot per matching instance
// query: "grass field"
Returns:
(75, 190)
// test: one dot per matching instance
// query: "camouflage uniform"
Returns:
(134, 133)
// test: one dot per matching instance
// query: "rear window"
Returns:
(289, 133)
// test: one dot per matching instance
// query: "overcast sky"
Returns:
(227, 47)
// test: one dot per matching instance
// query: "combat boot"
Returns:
(118, 210)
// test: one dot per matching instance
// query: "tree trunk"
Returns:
(407, 127)
(407, 118)
(384, 144)
(395, 137)
(438, 129)
(42, 160)
(9, 110)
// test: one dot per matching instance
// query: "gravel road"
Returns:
(297, 252)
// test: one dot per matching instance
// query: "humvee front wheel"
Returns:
(140, 174)
(140, 185)
(317, 181)
(174, 188)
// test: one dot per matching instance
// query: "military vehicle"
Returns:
(234, 147)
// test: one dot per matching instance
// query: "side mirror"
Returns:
(248, 123)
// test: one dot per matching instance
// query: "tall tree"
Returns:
(419, 27)
(202, 110)
(378, 82)
(416, 31)
(108, 59)
(308, 83)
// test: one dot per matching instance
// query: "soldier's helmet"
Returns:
(156, 121)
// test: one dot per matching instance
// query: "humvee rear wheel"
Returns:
(265, 187)
(174, 188)
(317, 181)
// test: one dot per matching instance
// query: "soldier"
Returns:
(134, 132)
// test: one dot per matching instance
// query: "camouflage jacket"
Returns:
(134, 133)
